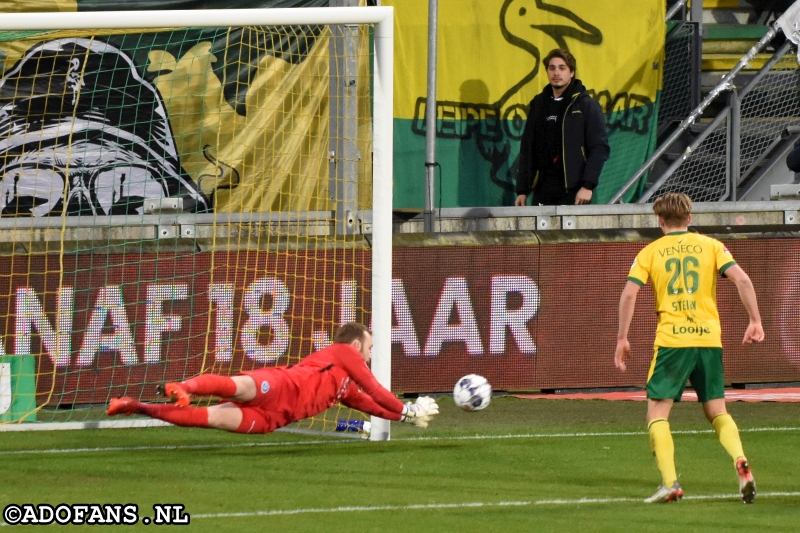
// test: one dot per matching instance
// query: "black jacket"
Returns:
(584, 141)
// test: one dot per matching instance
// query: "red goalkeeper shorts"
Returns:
(274, 404)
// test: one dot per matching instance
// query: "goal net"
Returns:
(209, 195)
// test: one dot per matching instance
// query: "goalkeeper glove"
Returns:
(420, 412)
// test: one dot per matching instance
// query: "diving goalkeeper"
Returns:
(264, 400)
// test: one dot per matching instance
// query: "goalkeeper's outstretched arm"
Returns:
(352, 349)
(419, 413)
(361, 401)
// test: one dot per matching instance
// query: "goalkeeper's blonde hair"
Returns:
(674, 208)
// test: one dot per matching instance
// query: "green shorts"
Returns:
(671, 367)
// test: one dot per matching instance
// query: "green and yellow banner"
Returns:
(228, 119)
(238, 119)
(490, 67)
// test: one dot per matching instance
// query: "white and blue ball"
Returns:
(472, 393)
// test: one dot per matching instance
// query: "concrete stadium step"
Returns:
(723, 63)
(725, 44)
(727, 12)
(720, 65)
(731, 38)
(730, 30)
(734, 32)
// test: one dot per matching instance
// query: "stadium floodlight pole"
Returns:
(343, 152)
(430, 118)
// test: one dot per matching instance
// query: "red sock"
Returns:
(211, 384)
(196, 417)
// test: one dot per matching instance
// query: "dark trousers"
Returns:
(543, 198)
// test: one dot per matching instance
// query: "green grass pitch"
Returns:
(520, 465)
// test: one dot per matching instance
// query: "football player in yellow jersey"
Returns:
(683, 269)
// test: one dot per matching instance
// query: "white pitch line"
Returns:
(467, 505)
(351, 509)
(589, 434)
(348, 441)
(174, 447)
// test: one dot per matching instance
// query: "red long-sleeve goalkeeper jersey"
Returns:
(332, 375)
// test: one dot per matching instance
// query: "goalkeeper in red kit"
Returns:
(264, 400)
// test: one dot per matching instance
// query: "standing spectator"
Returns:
(565, 143)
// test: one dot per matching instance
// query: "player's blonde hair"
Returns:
(349, 332)
(674, 208)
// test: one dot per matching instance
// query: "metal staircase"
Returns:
(732, 145)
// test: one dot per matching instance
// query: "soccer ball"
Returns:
(472, 393)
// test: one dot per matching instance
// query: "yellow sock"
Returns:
(728, 435)
(663, 449)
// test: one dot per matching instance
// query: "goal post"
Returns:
(382, 212)
(171, 193)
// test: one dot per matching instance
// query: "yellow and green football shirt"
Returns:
(683, 267)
